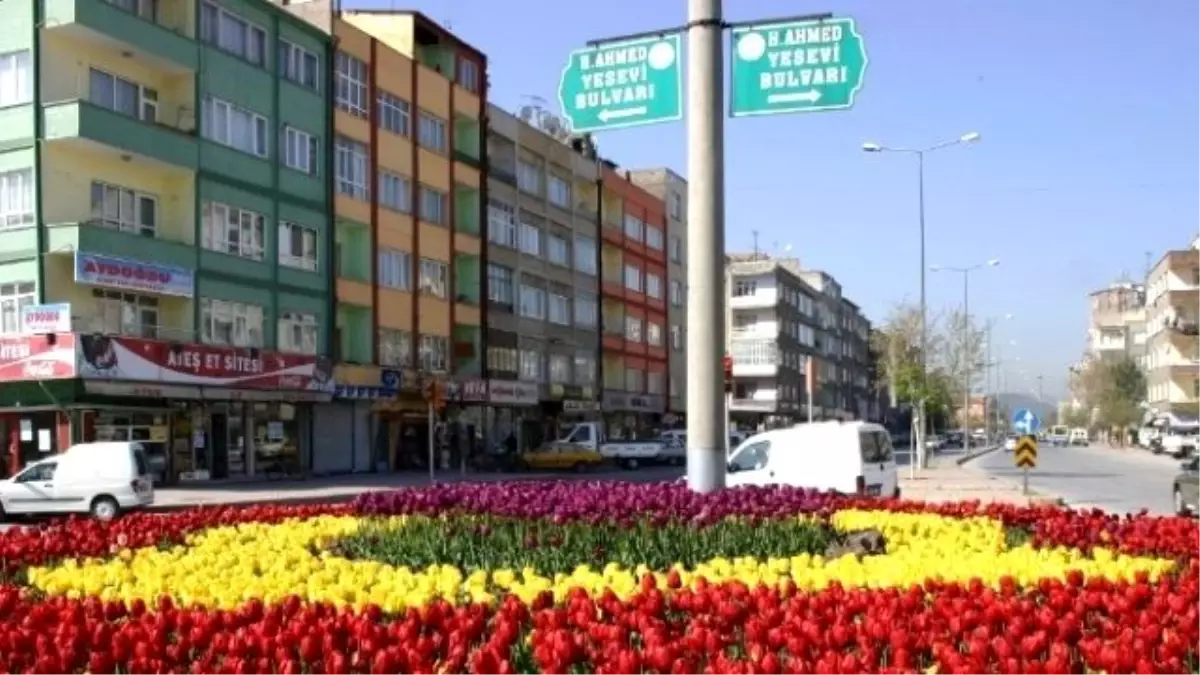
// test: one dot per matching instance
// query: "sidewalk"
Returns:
(946, 480)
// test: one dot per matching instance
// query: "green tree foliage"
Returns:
(1114, 388)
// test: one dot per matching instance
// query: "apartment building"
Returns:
(633, 306)
(167, 232)
(542, 277)
(774, 335)
(856, 372)
(407, 150)
(838, 373)
(1116, 321)
(671, 188)
(1172, 328)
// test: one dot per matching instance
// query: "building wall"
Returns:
(672, 190)
(543, 239)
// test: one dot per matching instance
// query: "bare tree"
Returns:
(897, 345)
(960, 352)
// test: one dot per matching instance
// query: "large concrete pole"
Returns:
(706, 247)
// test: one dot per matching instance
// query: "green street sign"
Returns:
(624, 84)
(804, 66)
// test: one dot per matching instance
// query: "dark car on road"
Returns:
(1186, 490)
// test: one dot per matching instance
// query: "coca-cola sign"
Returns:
(37, 357)
(139, 359)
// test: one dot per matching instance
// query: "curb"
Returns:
(976, 455)
(282, 501)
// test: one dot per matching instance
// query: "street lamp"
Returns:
(967, 138)
(993, 365)
(966, 275)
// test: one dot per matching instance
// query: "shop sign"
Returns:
(138, 359)
(570, 391)
(37, 357)
(54, 318)
(111, 272)
(475, 391)
(646, 403)
(571, 405)
(390, 380)
(357, 393)
(508, 392)
(614, 400)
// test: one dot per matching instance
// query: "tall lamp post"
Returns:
(967, 370)
(992, 369)
(970, 137)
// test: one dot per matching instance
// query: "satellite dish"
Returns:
(552, 126)
(526, 113)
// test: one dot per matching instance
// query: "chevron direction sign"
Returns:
(1025, 454)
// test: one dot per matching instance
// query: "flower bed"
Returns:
(602, 577)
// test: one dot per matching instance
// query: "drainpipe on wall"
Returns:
(39, 124)
(331, 196)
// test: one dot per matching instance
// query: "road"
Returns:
(1120, 481)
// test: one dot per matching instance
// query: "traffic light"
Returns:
(727, 363)
(434, 392)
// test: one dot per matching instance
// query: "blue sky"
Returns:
(1088, 113)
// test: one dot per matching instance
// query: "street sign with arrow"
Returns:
(1024, 421)
(1025, 456)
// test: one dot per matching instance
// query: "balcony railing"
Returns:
(754, 352)
(109, 325)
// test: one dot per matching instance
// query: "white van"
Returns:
(846, 457)
(98, 478)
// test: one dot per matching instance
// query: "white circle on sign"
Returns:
(661, 56)
(751, 47)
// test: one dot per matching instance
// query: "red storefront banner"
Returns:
(138, 359)
(37, 357)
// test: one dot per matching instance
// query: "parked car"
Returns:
(1010, 443)
(1186, 489)
(935, 443)
(103, 479)
(1079, 436)
(558, 455)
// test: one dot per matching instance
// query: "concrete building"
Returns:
(633, 312)
(168, 221)
(407, 149)
(1172, 330)
(843, 368)
(672, 190)
(542, 275)
(1116, 323)
(774, 335)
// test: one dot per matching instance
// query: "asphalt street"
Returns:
(1117, 480)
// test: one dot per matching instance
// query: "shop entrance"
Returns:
(218, 438)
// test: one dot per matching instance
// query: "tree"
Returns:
(1113, 387)
(1076, 416)
(961, 352)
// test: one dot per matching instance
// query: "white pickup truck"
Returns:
(627, 454)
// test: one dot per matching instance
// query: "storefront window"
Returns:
(276, 439)
(236, 428)
(152, 430)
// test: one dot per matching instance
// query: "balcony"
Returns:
(163, 38)
(466, 141)
(96, 324)
(467, 284)
(466, 209)
(95, 237)
(754, 357)
(761, 299)
(82, 124)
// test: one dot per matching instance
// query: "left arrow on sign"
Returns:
(620, 113)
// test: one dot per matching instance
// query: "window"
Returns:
(529, 177)
(123, 96)
(676, 206)
(395, 269)
(531, 365)
(299, 65)
(634, 380)
(125, 313)
(468, 75)
(395, 347)
(394, 113)
(233, 34)
(433, 353)
(297, 246)
(634, 228)
(585, 310)
(533, 302)
(744, 288)
(500, 284)
(228, 229)
(299, 150)
(633, 278)
(38, 473)
(395, 191)
(431, 132)
(558, 251)
(558, 191)
(433, 278)
(351, 168)
(297, 333)
(585, 369)
(234, 127)
(751, 458)
(676, 293)
(560, 309)
(655, 383)
(654, 237)
(502, 223)
(223, 322)
(350, 84)
(502, 360)
(653, 285)
(531, 239)
(433, 206)
(560, 368)
(585, 254)
(14, 79)
(676, 245)
(654, 336)
(14, 298)
(633, 329)
(677, 337)
(123, 209)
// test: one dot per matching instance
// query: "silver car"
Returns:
(1187, 488)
